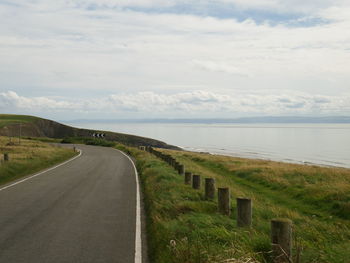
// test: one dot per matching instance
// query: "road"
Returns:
(83, 211)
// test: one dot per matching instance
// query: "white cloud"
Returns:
(220, 66)
(185, 104)
(50, 47)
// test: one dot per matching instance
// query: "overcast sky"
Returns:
(70, 59)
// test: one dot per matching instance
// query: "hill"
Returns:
(30, 126)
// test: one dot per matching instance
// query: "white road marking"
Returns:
(45, 171)
(138, 242)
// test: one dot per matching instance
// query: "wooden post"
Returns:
(281, 237)
(224, 205)
(244, 212)
(209, 188)
(181, 169)
(168, 159)
(74, 149)
(188, 178)
(196, 181)
(6, 157)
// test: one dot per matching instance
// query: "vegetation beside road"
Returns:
(28, 157)
(183, 227)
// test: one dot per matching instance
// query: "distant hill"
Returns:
(30, 126)
(330, 119)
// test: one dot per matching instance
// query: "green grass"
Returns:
(183, 227)
(89, 141)
(7, 119)
(28, 158)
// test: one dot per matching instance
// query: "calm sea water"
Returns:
(323, 144)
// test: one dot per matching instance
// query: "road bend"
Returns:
(82, 211)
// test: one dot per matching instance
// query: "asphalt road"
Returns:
(83, 211)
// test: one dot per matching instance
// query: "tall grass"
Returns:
(29, 157)
(316, 198)
(183, 227)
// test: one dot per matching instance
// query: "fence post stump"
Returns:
(181, 169)
(6, 157)
(209, 188)
(188, 178)
(224, 205)
(196, 181)
(244, 212)
(281, 237)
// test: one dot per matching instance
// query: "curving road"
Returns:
(83, 211)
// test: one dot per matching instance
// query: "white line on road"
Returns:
(45, 171)
(138, 242)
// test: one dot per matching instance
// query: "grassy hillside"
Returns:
(38, 127)
(183, 227)
(8, 119)
(29, 157)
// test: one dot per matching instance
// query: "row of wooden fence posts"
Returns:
(281, 229)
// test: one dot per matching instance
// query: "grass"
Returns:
(76, 140)
(183, 227)
(89, 141)
(28, 158)
(7, 119)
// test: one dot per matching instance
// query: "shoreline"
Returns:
(261, 158)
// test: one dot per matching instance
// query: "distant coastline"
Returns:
(271, 119)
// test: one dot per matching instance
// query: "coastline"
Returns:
(260, 157)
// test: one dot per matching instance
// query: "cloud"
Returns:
(219, 66)
(10, 100)
(90, 49)
(197, 103)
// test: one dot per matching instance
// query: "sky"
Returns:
(116, 59)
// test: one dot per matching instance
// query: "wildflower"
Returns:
(172, 243)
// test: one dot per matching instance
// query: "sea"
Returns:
(319, 144)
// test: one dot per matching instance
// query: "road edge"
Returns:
(138, 240)
(42, 172)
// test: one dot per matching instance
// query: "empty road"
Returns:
(83, 211)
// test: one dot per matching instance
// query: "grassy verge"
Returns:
(183, 227)
(29, 157)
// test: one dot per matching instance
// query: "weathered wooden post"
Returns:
(224, 204)
(169, 159)
(188, 178)
(181, 169)
(209, 188)
(6, 157)
(281, 237)
(74, 149)
(196, 181)
(244, 212)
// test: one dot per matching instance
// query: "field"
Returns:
(28, 157)
(183, 227)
